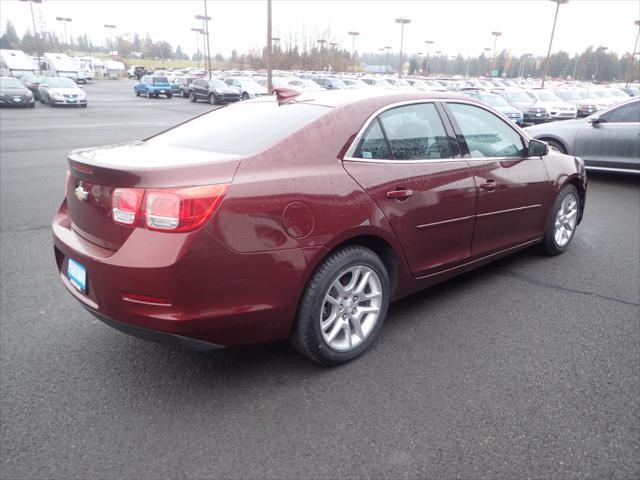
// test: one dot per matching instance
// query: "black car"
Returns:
(213, 90)
(13, 93)
(32, 82)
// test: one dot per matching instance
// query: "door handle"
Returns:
(400, 194)
(489, 185)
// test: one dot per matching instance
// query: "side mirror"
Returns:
(537, 148)
(595, 121)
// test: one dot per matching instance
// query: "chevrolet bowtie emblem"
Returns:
(80, 193)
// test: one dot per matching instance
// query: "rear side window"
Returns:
(373, 145)
(241, 129)
(629, 113)
(486, 134)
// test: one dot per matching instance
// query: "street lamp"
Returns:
(429, 43)
(110, 28)
(198, 32)
(353, 49)
(64, 21)
(205, 26)
(402, 22)
(495, 43)
(388, 49)
(633, 56)
(35, 32)
(553, 31)
(599, 51)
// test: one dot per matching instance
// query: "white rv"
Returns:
(61, 65)
(14, 63)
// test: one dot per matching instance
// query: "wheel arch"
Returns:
(557, 139)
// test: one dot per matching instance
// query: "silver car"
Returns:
(608, 140)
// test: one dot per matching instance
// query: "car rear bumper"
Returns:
(199, 288)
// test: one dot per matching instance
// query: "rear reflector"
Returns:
(146, 299)
(172, 210)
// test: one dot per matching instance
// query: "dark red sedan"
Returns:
(302, 217)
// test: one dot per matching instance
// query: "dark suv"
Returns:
(213, 90)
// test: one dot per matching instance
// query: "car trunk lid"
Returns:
(95, 173)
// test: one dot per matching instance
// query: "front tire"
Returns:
(555, 145)
(149, 94)
(192, 96)
(212, 99)
(245, 96)
(562, 221)
(343, 306)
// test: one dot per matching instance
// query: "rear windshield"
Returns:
(159, 81)
(241, 129)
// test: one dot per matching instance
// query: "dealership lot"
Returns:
(528, 367)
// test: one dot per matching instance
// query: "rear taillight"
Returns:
(126, 205)
(173, 210)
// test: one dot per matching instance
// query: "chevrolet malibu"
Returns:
(334, 205)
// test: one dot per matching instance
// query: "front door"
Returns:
(615, 141)
(511, 188)
(407, 164)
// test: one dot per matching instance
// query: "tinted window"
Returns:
(225, 130)
(160, 81)
(629, 113)
(415, 132)
(486, 135)
(373, 145)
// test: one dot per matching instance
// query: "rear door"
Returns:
(410, 164)
(615, 142)
(512, 189)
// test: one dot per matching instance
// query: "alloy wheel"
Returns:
(351, 308)
(566, 219)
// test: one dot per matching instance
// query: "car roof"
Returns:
(340, 98)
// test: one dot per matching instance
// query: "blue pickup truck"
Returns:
(153, 86)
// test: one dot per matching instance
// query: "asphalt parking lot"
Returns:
(529, 367)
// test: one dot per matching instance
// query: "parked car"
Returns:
(500, 104)
(607, 140)
(584, 107)
(153, 86)
(213, 90)
(136, 71)
(532, 113)
(32, 82)
(330, 83)
(185, 81)
(13, 93)
(62, 91)
(557, 108)
(248, 87)
(307, 227)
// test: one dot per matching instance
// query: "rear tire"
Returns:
(562, 221)
(212, 99)
(149, 94)
(192, 96)
(170, 95)
(343, 306)
(245, 96)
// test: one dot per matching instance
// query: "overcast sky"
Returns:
(454, 25)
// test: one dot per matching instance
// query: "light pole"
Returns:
(353, 49)
(35, 32)
(110, 28)
(523, 64)
(269, 42)
(553, 31)
(205, 26)
(321, 42)
(198, 32)
(388, 49)
(64, 21)
(429, 43)
(633, 55)
(402, 22)
(598, 54)
(495, 43)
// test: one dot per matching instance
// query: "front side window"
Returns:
(415, 132)
(628, 113)
(486, 135)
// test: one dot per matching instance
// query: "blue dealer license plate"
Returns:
(77, 275)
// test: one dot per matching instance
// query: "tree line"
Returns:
(317, 50)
